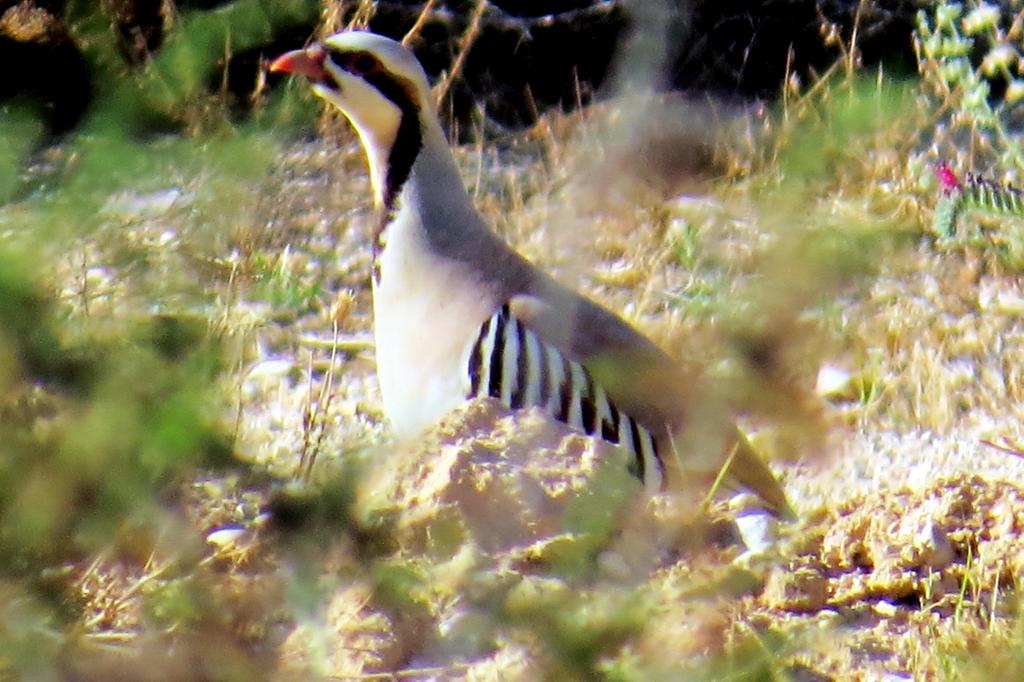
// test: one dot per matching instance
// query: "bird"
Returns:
(458, 314)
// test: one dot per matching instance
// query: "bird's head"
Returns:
(382, 90)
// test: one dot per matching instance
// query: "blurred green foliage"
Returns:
(152, 127)
(970, 59)
(833, 127)
(101, 417)
(94, 429)
(19, 128)
(199, 44)
(281, 286)
(969, 55)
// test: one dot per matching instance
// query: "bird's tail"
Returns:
(746, 468)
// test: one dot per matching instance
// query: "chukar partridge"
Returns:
(459, 314)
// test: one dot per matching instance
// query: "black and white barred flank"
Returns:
(510, 363)
(975, 193)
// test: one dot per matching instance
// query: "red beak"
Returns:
(308, 62)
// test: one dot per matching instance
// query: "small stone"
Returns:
(758, 529)
(832, 381)
(225, 538)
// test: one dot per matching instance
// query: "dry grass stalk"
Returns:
(464, 44)
(421, 19)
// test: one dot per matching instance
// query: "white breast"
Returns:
(428, 311)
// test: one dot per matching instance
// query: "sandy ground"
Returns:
(497, 549)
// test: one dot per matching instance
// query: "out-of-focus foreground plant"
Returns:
(101, 414)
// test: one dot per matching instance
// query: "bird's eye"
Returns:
(363, 64)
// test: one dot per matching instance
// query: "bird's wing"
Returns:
(670, 400)
(638, 375)
(645, 383)
(510, 363)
